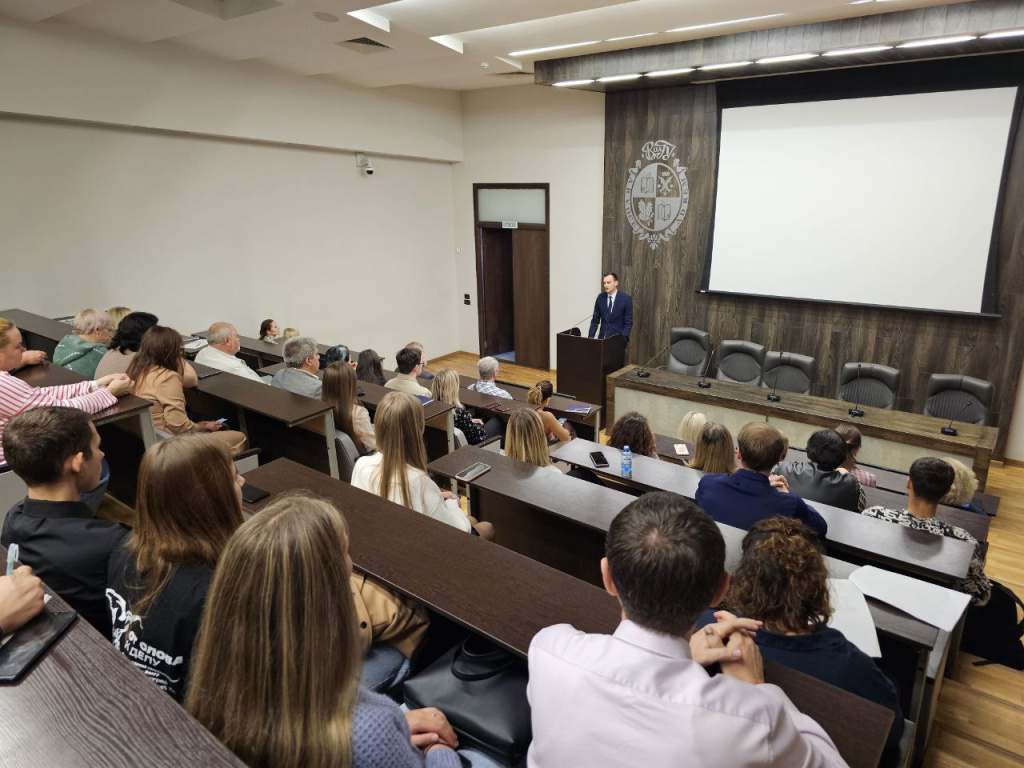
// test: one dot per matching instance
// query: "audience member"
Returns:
(16, 396)
(633, 430)
(965, 485)
(853, 439)
(445, 389)
(83, 349)
(782, 579)
(410, 364)
(277, 669)
(336, 354)
(525, 440)
(487, 367)
(302, 356)
(289, 333)
(269, 331)
(221, 352)
(822, 477)
(56, 452)
(424, 373)
(690, 426)
(339, 389)
(117, 314)
(641, 696)
(125, 343)
(21, 599)
(747, 496)
(540, 395)
(160, 374)
(714, 452)
(369, 368)
(930, 479)
(189, 504)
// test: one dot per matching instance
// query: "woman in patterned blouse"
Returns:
(445, 389)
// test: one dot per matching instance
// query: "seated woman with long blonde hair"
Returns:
(525, 439)
(398, 471)
(714, 452)
(276, 669)
(445, 389)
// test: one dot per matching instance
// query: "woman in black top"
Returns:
(445, 389)
(368, 367)
(189, 505)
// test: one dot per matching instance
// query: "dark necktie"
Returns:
(609, 304)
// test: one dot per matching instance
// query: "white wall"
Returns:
(528, 134)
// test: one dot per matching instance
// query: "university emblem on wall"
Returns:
(657, 193)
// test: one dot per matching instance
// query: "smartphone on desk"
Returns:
(472, 472)
(599, 460)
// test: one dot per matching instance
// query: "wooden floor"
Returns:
(980, 718)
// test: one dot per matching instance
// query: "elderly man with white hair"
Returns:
(488, 369)
(303, 359)
(222, 350)
(82, 350)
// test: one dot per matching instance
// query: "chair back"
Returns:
(688, 352)
(961, 398)
(789, 372)
(347, 455)
(740, 361)
(874, 385)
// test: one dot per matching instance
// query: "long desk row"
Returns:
(507, 598)
(896, 438)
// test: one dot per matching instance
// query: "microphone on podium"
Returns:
(856, 411)
(949, 429)
(704, 383)
(773, 397)
(642, 374)
(574, 327)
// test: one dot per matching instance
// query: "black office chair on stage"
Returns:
(688, 352)
(789, 372)
(870, 384)
(740, 361)
(961, 398)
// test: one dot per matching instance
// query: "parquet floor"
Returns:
(979, 722)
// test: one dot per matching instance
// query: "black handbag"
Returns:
(993, 630)
(482, 691)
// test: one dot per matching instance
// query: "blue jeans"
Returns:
(384, 668)
(95, 497)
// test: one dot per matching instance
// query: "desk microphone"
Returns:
(642, 374)
(774, 398)
(589, 315)
(704, 383)
(856, 411)
(949, 429)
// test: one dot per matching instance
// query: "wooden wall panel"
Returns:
(664, 282)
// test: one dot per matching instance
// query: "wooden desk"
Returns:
(897, 437)
(975, 524)
(84, 704)
(260, 354)
(38, 332)
(204, 371)
(508, 598)
(587, 425)
(917, 553)
(279, 422)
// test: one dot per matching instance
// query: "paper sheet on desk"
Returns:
(930, 603)
(852, 617)
(195, 344)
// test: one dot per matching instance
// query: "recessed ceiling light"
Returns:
(373, 19)
(618, 78)
(727, 65)
(861, 2)
(449, 42)
(1004, 33)
(328, 17)
(937, 41)
(531, 51)
(669, 72)
(854, 51)
(570, 83)
(724, 23)
(790, 57)
(629, 37)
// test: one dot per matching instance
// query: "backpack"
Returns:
(993, 631)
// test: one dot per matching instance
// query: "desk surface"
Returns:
(508, 598)
(279, 404)
(262, 349)
(54, 330)
(900, 426)
(84, 703)
(50, 375)
(918, 553)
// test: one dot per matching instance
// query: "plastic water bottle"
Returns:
(627, 462)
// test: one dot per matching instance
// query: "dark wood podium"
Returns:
(584, 363)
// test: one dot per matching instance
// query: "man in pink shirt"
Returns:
(642, 697)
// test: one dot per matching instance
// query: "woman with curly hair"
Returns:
(633, 430)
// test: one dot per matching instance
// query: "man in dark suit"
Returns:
(613, 310)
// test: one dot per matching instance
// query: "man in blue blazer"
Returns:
(613, 310)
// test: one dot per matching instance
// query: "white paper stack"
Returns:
(852, 617)
(930, 603)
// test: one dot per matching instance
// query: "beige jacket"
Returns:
(384, 617)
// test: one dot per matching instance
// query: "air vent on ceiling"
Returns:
(512, 74)
(364, 45)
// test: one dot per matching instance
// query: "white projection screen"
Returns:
(886, 200)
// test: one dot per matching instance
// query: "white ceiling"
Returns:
(285, 34)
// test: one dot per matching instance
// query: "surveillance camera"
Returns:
(364, 163)
(368, 170)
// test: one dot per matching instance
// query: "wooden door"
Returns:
(495, 277)
(532, 297)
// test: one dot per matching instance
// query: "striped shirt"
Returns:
(489, 388)
(17, 396)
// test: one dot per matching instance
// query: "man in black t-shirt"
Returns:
(56, 452)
